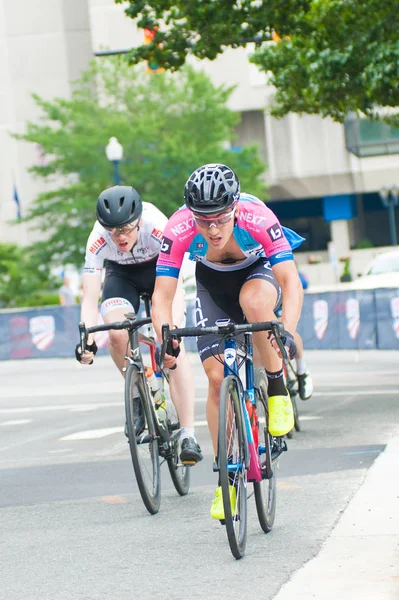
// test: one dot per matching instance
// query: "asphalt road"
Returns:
(73, 525)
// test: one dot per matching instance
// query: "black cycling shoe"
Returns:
(190, 452)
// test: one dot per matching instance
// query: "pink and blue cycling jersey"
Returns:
(257, 232)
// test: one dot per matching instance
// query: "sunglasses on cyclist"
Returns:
(217, 221)
(117, 231)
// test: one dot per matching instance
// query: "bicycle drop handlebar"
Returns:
(224, 330)
(127, 324)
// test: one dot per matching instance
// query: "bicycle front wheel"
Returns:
(265, 490)
(232, 470)
(143, 444)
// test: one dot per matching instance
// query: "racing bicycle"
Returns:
(159, 440)
(247, 452)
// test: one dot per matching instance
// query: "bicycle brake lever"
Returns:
(278, 331)
(165, 336)
(83, 337)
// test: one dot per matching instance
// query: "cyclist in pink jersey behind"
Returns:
(245, 269)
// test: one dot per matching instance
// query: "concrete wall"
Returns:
(44, 45)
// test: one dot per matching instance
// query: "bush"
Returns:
(364, 243)
(48, 299)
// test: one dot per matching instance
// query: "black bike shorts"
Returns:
(218, 298)
(128, 282)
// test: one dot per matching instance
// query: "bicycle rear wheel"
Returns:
(232, 470)
(265, 490)
(179, 473)
(143, 447)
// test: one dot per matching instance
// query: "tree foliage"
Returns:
(23, 282)
(168, 126)
(334, 57)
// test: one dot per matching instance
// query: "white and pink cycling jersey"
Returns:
(100, 245)
(257, 232)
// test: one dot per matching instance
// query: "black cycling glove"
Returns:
(289, 343)
(171, 350)
(90, 347)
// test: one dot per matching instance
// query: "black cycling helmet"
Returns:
(118, 206)
(211, 189)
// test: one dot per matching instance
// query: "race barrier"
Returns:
(361, 319)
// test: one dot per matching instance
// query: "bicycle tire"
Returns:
(265, 490)
(292, 387)
(179, 473)
(293, 391)
(144, 449)
(231, 447)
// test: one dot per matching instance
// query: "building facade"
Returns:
(324, 178)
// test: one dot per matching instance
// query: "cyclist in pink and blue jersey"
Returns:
(245, 269)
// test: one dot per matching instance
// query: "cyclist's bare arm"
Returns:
(91, 287)
(287, 277)
(162, 302)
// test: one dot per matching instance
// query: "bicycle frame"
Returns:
(246, 394)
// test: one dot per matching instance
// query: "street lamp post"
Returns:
(114, 152)
(389, 199)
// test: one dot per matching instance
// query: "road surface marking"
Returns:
(92, 434)
(17, 422)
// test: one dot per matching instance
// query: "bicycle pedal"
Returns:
(189, 463)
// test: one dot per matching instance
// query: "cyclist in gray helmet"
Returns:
(118, 206)
(128, 234)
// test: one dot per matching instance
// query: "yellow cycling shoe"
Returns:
(217, 508)
(281, 415)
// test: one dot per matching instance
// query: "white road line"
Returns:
(52, 407)
(356, 393)
(16, 422)
(99, 405)
(76, 390)
(92, 434)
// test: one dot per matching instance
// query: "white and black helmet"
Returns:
(118, 206)
(211, 189)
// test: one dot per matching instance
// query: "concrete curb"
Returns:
(360, 559)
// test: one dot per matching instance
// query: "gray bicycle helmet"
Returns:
(118, 206)
(211, 189)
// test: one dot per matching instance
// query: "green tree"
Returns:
(24, 282)
(168, 125)
(334, 57)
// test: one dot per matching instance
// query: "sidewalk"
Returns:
(360, 559)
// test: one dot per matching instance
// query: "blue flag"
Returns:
(17, 202)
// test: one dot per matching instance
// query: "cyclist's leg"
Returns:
(181, 379)
(259, 297)
(305, 381)
(182, 388)
(217, 298)
(119, 296)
